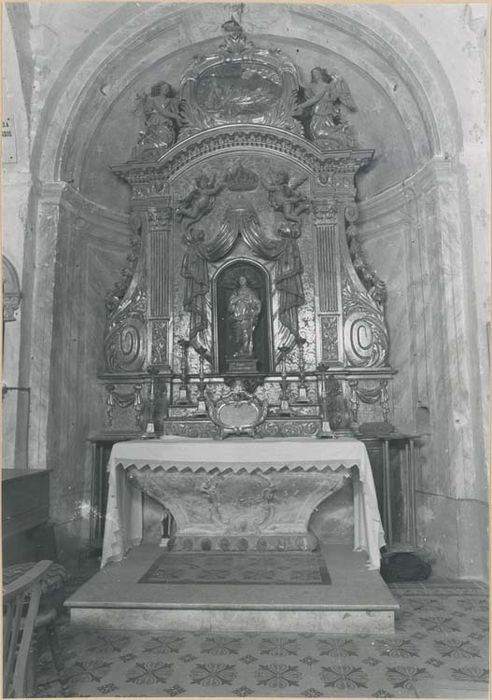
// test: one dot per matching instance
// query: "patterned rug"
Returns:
(299, 568)
(439, 651)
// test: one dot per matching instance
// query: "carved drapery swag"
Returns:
(241, 220)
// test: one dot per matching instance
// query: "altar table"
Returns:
(239, 493)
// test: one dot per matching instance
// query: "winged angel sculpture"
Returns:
(327, 95)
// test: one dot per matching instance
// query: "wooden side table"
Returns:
(101, 450)
(396, 460)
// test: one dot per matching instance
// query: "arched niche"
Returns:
(11, 292)
(224, 284)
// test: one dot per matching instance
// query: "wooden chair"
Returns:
(20, 608)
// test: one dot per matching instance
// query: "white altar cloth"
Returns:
(124, 524)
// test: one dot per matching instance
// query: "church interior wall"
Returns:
(453, 477)
(423, 226)
(91, 249)
(16, 185)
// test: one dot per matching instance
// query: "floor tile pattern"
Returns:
(298, 568)
(441, 638)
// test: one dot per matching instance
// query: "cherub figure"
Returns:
(199, 201)
(284, 197)
(161, 114)
(325, 96)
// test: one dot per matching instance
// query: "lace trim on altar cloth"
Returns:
(248, 467)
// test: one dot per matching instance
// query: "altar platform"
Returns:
(355, 601)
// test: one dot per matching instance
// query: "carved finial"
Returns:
(234, 37)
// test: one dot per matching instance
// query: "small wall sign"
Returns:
(9, 145)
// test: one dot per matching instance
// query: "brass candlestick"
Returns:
(183, 398)
(302, 396)
(201, 407)
(284, 400)
(325, 430)
(138, 404)
(150, 425)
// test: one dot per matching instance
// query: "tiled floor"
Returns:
(439, 650)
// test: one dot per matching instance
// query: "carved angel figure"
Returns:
(284, 197)
(199, 201)
(161, 115)
(326, 95)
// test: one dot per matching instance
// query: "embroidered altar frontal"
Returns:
(280, 568)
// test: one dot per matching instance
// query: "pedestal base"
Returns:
(242, 365)
(318, 622)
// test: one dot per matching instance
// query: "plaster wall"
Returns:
(439, 222)
(424, 256)
(89, 254)
(16, 178)
(463, 52)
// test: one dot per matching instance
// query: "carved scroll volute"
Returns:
(125, 338)
(365, 335)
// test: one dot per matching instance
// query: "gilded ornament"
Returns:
(160, 110)
(327, 96)
(239, 83)
(244, 307)
(199, 201)
(284, 196)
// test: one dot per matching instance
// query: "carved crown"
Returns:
(240, 179)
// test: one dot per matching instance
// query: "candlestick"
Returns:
(325, 430)
(138, 404)
(150, 425)
(284, 400)
(201, 407)
(302, 393)
(183, 398)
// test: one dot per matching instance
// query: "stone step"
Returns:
(356, 601)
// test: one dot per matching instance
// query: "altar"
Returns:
(238, 494)
(244, 349)
(245, 345)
